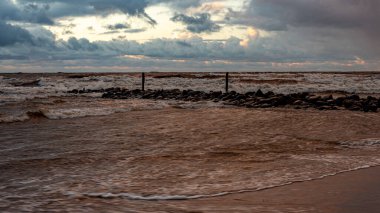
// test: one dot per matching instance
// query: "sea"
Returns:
(78, 152)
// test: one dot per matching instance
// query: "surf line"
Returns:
(132, 196)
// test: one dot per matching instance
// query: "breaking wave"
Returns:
(57, 114)
(367, 143)
(133, 196)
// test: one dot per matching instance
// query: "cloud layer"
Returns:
(198, 23)
(335, 34)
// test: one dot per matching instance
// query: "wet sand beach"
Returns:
(352, 192)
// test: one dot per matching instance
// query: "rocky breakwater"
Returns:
(256, 99)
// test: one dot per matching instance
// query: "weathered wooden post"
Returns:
(227, 82)
(142, 81)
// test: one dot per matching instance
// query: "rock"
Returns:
(75, 91)
(304, 95)
(320, 103)
(339, 101)
(215, 94)
(353, 97)
(250, 100)
(232, 103)
(354, 108)
(326, 98)
(313, 99)
(347, 103)
(265, 105)
(240, 97)
(283, 100)
(373, 108)
(370, 108)
(250, 94)
(322, 108)
(298, 102)
(259, 93)
(331, 102)
(269, 94)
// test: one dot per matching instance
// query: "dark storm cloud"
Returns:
(198, 23)
(11, 35)
(118, 26)
(322, 29)
(81, 44)
(8, 10)
(45, 11)
(266, 51)
(196, 48)
(274, 15)
(30, 12)
(302, 31)
(61, 8)
(132, 7)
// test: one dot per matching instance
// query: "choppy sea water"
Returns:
(83, 153)
(22, 95)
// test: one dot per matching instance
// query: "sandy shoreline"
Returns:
(350, 192)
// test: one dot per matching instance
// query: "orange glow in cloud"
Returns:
(359, 61)
(211, 7)
(138, 57)
(252, 34)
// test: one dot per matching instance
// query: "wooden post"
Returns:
(142, 81)
(227, 82)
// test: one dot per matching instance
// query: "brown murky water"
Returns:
(129, 160)
(61, 152)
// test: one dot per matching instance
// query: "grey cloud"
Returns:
(197, 24)
(11, 35)
(274, 15)
(60, 8)
(319, 46)
(45, 11)
(67, 32)
(81, 44)
(12, 57)
(184, 43)
(191, 49)
(8, 10)
(31, 13)
(137, 30)
(118, 26)
(321, 29)
(132, 7)
(126, 27)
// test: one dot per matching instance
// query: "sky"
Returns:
(189, 35)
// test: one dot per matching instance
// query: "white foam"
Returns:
(80, 112)
(13, 118)
(142, 197)
(133, 196)
(310, 82)
(368, 143)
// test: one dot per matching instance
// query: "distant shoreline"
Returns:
(197, 72)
